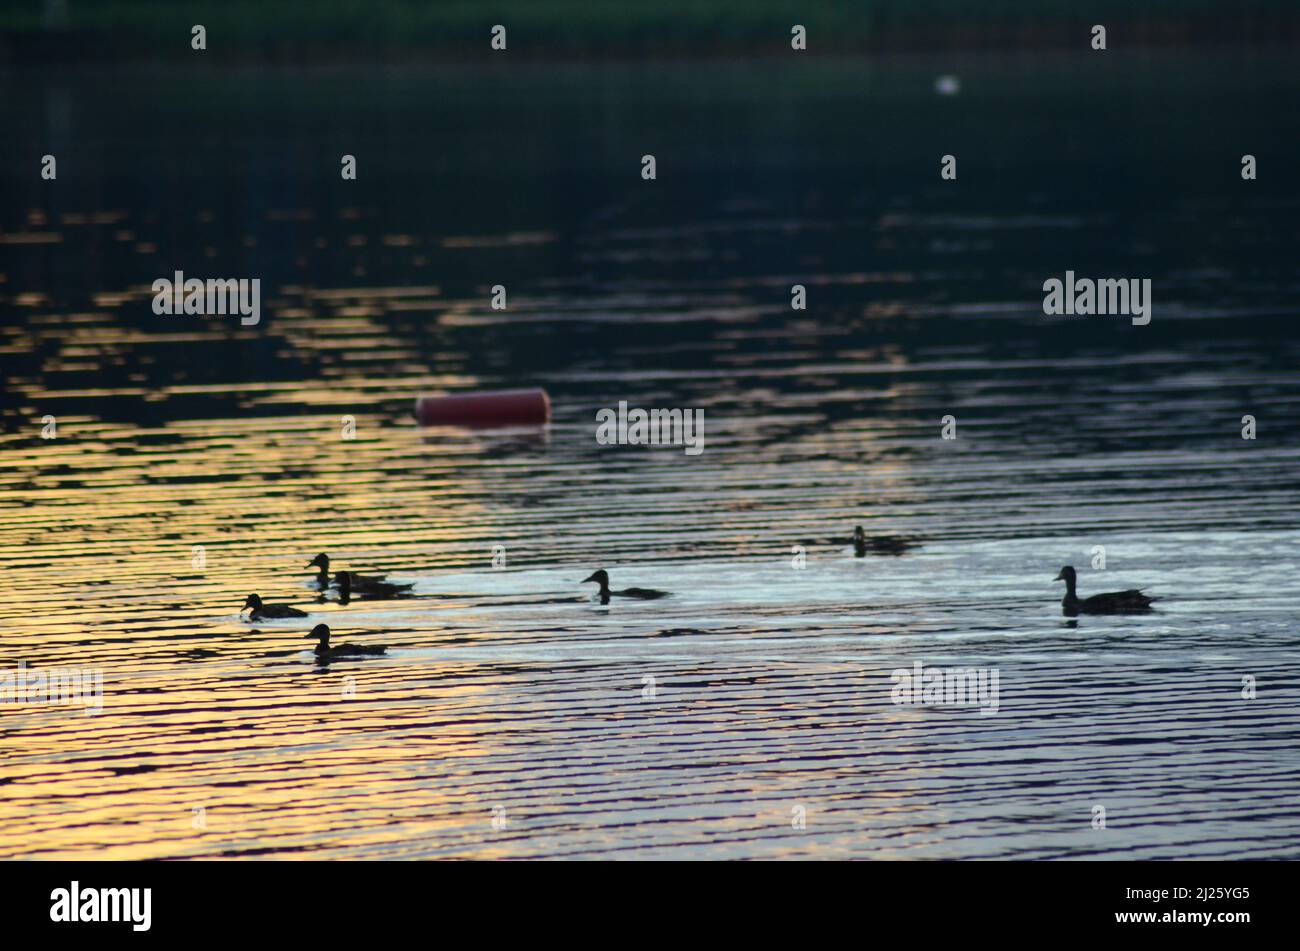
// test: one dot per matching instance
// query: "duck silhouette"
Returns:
(359, 586)
(262, 611)
(1114, 602)
(601, 577)
(322, 563)
(321, 633)
(879, 544)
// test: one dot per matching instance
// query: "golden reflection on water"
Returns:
(502, 691)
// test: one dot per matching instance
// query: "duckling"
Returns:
(363, 587)
(643, 594)
(359, 581)
(321, 633)
(879, 544)
(268, 611)
(1115, 602)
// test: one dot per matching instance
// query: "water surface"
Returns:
(705, 724)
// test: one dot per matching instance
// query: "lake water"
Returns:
(750, 715)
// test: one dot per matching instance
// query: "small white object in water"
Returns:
(947, 85)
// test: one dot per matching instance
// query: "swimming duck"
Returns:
(268, 611)
(879, 544)
(643, 594)
(1115, 602)
(321, 633)
(321, 561)
(363, 587)
(359, 581)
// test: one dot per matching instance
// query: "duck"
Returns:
(878, 544)
(321, 562)
(321, 634)
(262, 611)
(363, 587)
(1114, 602)
(601, 577)
(359, 582)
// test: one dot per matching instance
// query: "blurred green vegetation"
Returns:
(593, 27)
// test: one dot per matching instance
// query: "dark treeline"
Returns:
(406, 30)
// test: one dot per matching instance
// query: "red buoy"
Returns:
(485, 410)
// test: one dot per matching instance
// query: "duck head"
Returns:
(321, 561)
(600, 577)
(1066, 575)
(321, 633)
(859, 535)
(253, 602)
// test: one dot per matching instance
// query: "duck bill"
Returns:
(1060, 576)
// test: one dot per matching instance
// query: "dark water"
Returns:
(705, 724)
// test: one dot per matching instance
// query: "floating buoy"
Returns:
(484, 410)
